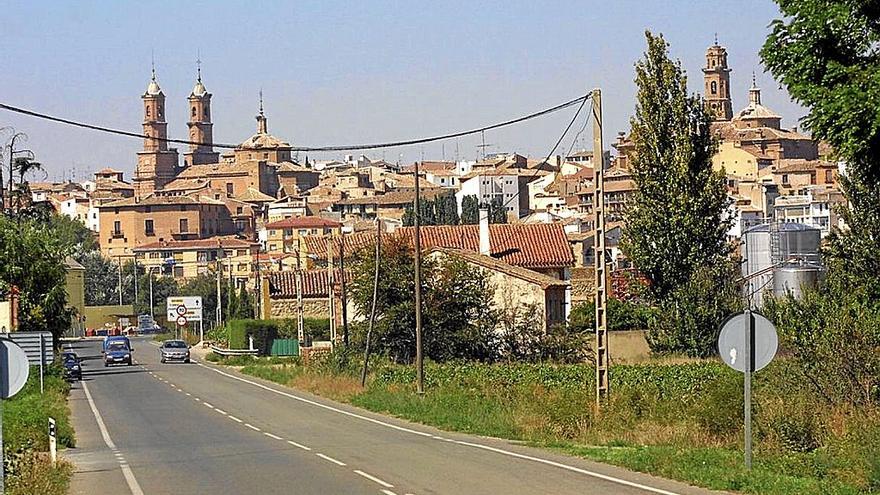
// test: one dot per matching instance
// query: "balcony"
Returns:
(117, 234)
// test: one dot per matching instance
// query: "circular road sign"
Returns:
(14, 368)
(181, 320)
(181, 310)
(732, 340)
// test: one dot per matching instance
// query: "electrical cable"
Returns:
(393, 144)
(576, 136)
(558, 142)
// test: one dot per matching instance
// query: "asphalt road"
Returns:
(175, 428)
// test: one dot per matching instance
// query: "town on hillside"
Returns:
(261, 209)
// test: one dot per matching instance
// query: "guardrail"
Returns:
(233, 352)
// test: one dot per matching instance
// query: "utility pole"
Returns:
(219, 296)
(342, 285)
(420, 370)
(373, 307)
(135, 261)
(330, 290)
(601, 281)
(119, 260)
(300, 322)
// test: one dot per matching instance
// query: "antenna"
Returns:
(483, 146)
(261, 101)
(153, 63)
(716, 38)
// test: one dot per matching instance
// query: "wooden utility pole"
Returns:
(420, 369)
(601, 281)
(343, 296)
(375, 296)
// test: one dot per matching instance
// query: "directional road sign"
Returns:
(190, 307)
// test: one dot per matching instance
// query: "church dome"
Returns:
(199, 89)
(263, 141)
(153, 88)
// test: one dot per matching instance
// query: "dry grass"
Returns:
(37, 475)
(337, 387)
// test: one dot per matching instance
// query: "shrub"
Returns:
(263, 332)
(622, 315)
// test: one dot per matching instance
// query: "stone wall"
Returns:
(312, 308)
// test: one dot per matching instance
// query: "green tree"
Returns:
(101, 279)
(34, 257)
(446, 210)
(457, 319)
(497, 211)
(470, 210)
(676, 226)
(825, 53)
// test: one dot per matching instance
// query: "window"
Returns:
(205, 113)
(194, 112)
(238, 210)
(148, 227)
(154, 255)
(242, 267)
(241, 252)
(288, 232)
(178, 271)
(785, 178)
(202, 256)
(117, 227)
(829, 176)
(713, 88)
(184, 225)
(229, 188)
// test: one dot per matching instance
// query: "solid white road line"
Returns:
(130, 480)
(276, 437)
(374, 479)
(252, 427)
(547, 462)
(291, 442)
(328, 458)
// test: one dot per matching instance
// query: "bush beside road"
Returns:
(681, 421)
(25, 439)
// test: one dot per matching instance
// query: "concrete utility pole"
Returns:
(601, 281)
(300, 320)
(119, 260)
(135, 261)
(343, 297)
(331, 295)
(420, 368)
(219, 297)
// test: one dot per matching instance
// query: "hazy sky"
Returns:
(342, 73)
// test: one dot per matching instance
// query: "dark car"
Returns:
(174, 350)
(72, 367)
(117, 352)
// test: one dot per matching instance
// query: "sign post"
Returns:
(182, 310)
(747, 343)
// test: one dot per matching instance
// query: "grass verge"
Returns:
(679, 421)
(25, 439)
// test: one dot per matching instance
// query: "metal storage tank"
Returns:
(793, 279)
(769, 245)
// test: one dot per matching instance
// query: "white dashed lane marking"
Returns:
(374, 479)
(276, 437)
(252, 427)
(328, 458)
(299, 445)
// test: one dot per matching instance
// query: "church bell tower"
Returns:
(200, 126)
(157, 165)
(716, 76)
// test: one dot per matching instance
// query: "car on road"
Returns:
(174, 350)
(71, 366)
(117, 352)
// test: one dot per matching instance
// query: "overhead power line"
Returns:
(355, 147)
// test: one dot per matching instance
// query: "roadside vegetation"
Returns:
(25, 439)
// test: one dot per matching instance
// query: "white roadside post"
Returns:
(53, 445)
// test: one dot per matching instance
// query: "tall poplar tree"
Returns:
(676, 222)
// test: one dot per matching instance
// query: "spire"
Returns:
(262, 128)
(716, 39)
(199, 88)
(754, 92)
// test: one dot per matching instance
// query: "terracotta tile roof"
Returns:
(252, 195)
(107, 170)
(428, 166)
(315, 283)
(154, 200)
(490, 263)
(214, 242)
(525, 245)
(393, 198)
(303, 223)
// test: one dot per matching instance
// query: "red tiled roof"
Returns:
(315, 283)
(525, 245)
(303, 223)
(221, 242)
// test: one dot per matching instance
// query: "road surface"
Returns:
(175, 428)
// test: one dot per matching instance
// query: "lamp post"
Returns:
(150, 275)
